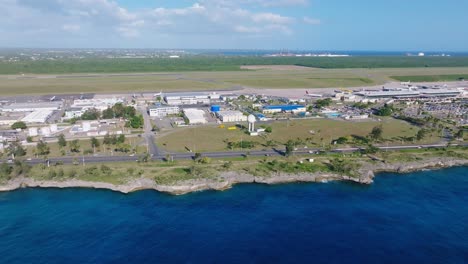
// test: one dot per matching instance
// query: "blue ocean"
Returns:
(414, 218)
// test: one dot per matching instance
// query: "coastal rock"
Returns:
(227, 179)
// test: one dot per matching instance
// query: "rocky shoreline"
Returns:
(227, 179)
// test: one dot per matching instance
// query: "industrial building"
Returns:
(271, 109)
(195, 116)
(401, 93)
(8, 136)
(190, 98)
(73, 112)
(162, 111)
(31, 107)
(100, 104)
(231, 116)
(39, 116)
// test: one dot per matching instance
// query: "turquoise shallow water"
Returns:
(415, 218)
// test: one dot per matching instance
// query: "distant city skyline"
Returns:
(365, 25)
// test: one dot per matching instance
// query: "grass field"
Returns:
(432, 78)
(196, 81)
(219, 63)
(212, 138)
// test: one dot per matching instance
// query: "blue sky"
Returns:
(380, 25)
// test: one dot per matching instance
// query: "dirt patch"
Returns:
(275, 67)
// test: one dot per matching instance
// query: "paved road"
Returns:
(149, 135)
(225, 154)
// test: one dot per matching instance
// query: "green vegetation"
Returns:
(270, 77)
(62, 142)
(135, 122)
(219, 63)
(119, 111)
(432, 78)
(310, 132)
(171, 173)
(19, 125)
(42, 148)
(91, 114)
(376, 133)
(386, 110)
(321, 103)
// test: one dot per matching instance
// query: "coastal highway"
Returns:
(226, 154)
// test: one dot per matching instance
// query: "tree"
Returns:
(75, 146)
(268, 129)
(16, 149)
(321, 103)
(42, 148)
(19, 125)
(386, 110)
(421, 134)
(5, 171)
(91, 114)
(108, 113)
(62, 142)
(460, 133)
(376, 133)
(121, 139)
(289, 147)
(341, 166)
(227, 165)
(95, 142)
(136, 122)
(108, 140)
(342, 140)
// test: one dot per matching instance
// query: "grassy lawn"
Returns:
(313, 131)
(85, 145)
(197, 81)
(432, 78)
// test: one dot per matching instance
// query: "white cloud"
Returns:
(106, 19)
(71, 27)
(311, 21)
(260, 3)
(271, 18)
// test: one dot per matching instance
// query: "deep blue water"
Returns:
(416, 218)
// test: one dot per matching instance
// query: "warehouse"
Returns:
(271, 109)
(190, 98)
(195, 116)
(96, 103)
(39, 116)
(31, 107)
(162, 111)
(231, 116)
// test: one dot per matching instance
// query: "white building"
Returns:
(31, 107)
(100, 104)
(195, 116)
(161, 111)
(33, 131)
(356, 117)
(38, 116)
(231, 116)
(74, 112)
(190, 98)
